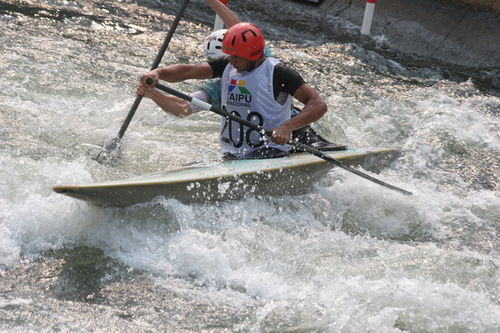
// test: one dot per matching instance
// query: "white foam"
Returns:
(351, 255)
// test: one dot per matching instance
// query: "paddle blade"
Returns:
(109, 152)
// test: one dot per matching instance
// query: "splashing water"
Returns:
(348, 256)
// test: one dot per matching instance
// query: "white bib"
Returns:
(250, 96)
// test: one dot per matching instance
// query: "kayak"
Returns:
(226, 180)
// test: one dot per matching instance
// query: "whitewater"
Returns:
(351, 256)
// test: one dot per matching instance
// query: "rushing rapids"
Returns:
(349, 256)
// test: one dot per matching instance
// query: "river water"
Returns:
(349, 257)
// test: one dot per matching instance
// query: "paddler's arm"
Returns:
(178, 73)
(314, 108)
(227, 15)
(170, 104)
(174, 73)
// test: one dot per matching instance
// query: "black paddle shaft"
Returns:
(115, 142)
(155, 65)
(269, 133)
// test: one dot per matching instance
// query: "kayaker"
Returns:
(210, 90)
(255, 87)
(258, 88)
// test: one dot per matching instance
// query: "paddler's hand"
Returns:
(145, 90)
(151, 75)
(282, 134)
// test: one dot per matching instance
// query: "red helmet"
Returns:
(244, 40)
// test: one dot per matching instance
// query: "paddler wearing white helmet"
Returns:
(212, 45)
(210, 91)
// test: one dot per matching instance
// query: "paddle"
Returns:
(269, 133)
(105, 154)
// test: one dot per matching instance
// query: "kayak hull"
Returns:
(229, 180)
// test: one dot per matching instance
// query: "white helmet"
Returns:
(212, 46)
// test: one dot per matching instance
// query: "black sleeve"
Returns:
(286, 80)
(218, 65)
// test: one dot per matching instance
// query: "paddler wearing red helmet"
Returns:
(254, 87)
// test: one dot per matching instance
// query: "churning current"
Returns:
(349, 257)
